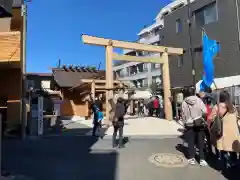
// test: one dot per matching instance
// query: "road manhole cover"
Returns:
(168, 160)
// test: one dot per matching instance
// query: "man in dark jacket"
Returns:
(118, 123)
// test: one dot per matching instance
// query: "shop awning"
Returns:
(222, 83)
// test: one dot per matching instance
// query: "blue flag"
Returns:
(210, 50)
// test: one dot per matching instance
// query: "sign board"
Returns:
(40, 115)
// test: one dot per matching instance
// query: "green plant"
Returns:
(93, 67)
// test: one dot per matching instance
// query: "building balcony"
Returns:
(10, 48)
(150, 39)
(131, 77)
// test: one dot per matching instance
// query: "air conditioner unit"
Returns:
(6, 8)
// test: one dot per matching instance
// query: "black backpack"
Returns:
(120, 110)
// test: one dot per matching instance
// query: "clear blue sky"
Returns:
(55, 28)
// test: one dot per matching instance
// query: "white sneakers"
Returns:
(203, 163)
(193, 162)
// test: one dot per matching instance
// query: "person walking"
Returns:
(118, 123)
(150, 107)
(161, 108)
(96, 106)
(193, 110)
(156, 106)
(141, 107)
(96, 119)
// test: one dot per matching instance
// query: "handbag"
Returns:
(199, 122)
(216, 129)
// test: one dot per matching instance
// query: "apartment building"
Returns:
(142, 75)
(220, 19)
(146, 74)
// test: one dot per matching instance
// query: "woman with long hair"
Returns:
(228, 142)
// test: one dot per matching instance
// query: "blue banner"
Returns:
(210, 50)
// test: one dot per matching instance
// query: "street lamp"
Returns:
(23, 57)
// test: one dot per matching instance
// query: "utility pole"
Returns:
(238, 22)
(189, 21)
(59, 63)
(23, 57)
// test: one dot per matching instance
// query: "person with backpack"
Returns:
(193, 111)
(118, 123)
(97, 115)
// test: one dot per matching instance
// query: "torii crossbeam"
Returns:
(164, 52)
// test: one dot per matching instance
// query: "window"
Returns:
(120, 73)
(46, 84)
(157, 31)
(165, 14)
(145, 66)
(127, 71)
(210, 13)
(206, 15)
(156, 66)
(177, 7)
(145, 82)
(178, 25)
(30, 84)
(180, 61)
(157, 81)
(143, 35)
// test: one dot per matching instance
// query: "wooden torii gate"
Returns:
(164, 52)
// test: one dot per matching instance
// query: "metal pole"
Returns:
(190, 43)
(1, 132)
(23, 55)
(238, 23)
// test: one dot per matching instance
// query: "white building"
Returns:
(144, 74)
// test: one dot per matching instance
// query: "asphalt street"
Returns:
(88, 158)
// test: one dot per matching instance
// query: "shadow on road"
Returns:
(214, 163)
(64, 157)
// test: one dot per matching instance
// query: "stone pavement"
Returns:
(134, 127)
(89, 158)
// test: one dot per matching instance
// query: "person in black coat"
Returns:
(118, 123)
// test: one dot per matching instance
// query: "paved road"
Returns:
(87, 158)
(134, 126)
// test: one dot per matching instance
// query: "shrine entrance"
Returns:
(163, 59)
